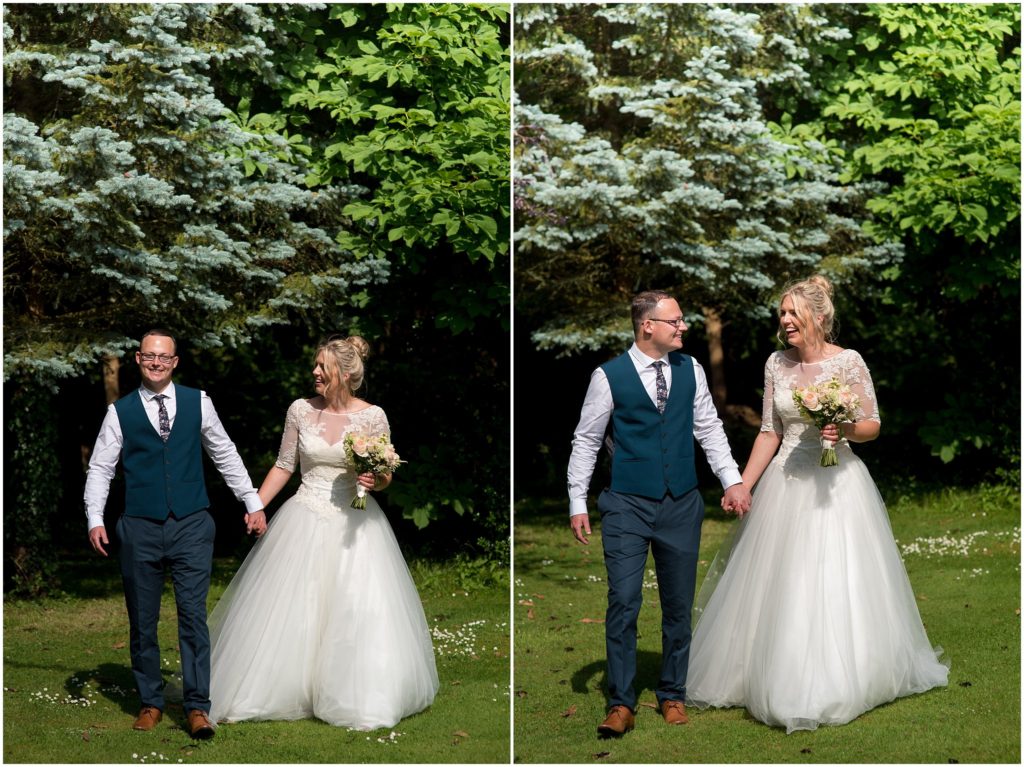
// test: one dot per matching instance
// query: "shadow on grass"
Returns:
(116, 683)
(582, 680)
(593, 676)
(113, 681)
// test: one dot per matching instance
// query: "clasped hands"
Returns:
(736, 499)
(256, 523)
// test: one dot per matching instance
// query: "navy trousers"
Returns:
(185, 548)
(670, 528)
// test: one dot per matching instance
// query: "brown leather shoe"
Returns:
(619, 721)
(199, 725)
(674, 712)
(148, 718)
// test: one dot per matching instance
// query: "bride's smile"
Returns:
(789, 322)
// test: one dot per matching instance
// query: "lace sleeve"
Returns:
(287, 456)
(857, 375)
(378, 423)
(770, 421)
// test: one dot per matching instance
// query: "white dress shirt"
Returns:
(597, 410)
(107, 452)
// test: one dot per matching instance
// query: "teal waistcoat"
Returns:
(654, 452)
(162, 477)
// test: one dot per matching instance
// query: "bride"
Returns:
(323, 619)
(807, 616)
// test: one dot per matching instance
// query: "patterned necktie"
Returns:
(165, 422)
(660, 385)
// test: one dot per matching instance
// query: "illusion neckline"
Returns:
(800, 362)
(328, 412)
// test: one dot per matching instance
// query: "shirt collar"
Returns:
(643, 359)
(148, 395)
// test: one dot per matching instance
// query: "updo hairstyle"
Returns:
(341, 356)
(812, 298)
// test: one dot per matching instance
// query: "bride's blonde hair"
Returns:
(812, 298)
(341, 356)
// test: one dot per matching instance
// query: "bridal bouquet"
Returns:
(373, 454)
(825, 403)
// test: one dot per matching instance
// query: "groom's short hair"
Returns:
(160, 332)
(643, 305)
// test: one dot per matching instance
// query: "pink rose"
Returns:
(811, 400)
(360, 445)
(847, 397)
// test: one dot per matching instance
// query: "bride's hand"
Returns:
(736, 499)
(831, 433)
(256, 523)
(368, 480)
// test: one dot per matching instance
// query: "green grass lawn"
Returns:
(962, 552)
(69, 694)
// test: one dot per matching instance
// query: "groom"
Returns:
(657, 401)
(159, 432)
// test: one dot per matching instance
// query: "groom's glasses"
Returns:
(677, 323)
(166, 359)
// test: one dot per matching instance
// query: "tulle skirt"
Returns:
(322, 619)
(807, 616)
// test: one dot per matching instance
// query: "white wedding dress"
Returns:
(807, 616)
(322, 619)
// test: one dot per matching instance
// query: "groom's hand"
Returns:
(256, 523)
(98, 539)
(737, 499)
(580, 527)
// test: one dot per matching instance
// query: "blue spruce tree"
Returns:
(651, 151)
(133, 197)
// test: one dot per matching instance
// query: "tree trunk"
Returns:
(716, 357)
(716, 367)
(111, 386)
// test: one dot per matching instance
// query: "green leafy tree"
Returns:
(930, 97)
(408, 105)
(934, 91)
(412, 103)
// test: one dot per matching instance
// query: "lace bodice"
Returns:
(313, 441)
(801, 439)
